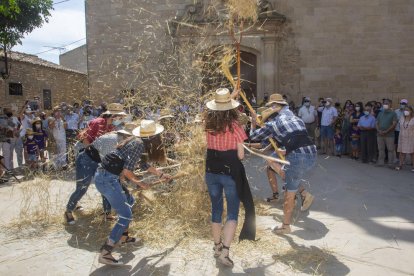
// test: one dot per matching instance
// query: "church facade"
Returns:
(358, 50)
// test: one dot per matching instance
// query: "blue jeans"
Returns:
(216, 183)
(85, 170)
(109, 186)
(327, 132)
(300, 164)
(338, 148)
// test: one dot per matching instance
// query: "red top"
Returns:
(97, 127)
(227, 140)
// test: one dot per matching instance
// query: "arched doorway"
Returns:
(214, 78)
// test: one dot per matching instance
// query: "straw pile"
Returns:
(243, 9)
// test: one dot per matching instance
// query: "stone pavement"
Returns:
(362, 223)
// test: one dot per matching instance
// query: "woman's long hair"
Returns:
(220, 121)
(155, 149)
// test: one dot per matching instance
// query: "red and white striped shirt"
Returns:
(227, 140)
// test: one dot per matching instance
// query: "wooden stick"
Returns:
(269, 158)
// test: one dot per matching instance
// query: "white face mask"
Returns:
(30, 137)
(407, 113)
(366, 113)
(327, 104)
(357, 108)
(386, 106)
(307, 104)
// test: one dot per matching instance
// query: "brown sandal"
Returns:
(218, 247)
(224, 259)
(107, 258)
(284, 229)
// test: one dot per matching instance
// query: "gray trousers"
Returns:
(310, 128)
(386, 142)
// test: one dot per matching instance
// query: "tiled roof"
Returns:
(32, 59)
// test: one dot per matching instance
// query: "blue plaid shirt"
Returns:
(282, 125)
(131, 155)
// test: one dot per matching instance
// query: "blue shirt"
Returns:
(367, 121)
(282, 125)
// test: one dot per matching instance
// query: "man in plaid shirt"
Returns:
(290, 132)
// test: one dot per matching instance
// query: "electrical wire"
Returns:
(63, 46)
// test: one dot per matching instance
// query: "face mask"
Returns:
(366, 113)
(30, 137)
(328, 104)
(64, 108)
(117, 122)
(402, 106)
(357, 108)
(307, 104)
(38, 125)
(386, 106)
(407, 113)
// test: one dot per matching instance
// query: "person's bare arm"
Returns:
(240, 151)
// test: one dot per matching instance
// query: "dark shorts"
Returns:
(396, 136)
(327, 132)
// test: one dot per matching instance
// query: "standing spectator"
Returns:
(338, 141)
(346, 129)
(40, 137)
(367, 126)
(320, 108)
(309, 116)
(386, 122)
(57, 126)
(406, 138)
(72, 121)
(329, 115)
(357, 114)
(86, 118)
(26, 117)
(31, 151)
(16, 143)
(355, 139)
(400, 113)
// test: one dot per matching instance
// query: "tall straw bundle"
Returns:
(243, 9)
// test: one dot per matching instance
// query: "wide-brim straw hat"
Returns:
(115, 109)
(267, 113)
(276, 98)
(128, 128)
(148, 128)
(37, 119)
(222, 101)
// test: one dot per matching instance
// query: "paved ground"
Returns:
(362, 223)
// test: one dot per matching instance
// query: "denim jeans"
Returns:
(300, 165)
(338, 149)
(216, 183)
(85, 170)
(108, 185)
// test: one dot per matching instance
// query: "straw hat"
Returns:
(260, 110)
(128, 128)
(148, 128)
(267, 113)
(244, 119)
(165, 113)
(37, 119)
(115, 109)
(222, 101)
(198, 118)
(276, 98)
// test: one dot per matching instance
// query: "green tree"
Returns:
(20, 17)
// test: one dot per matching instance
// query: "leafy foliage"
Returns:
(20, 17)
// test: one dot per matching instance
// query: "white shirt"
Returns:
(327, 115)
(308, 114)
(59, 130)
(72, 120)
(26, 123)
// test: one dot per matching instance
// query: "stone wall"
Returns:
(75, 59)
(361, 50)
(64, 85)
